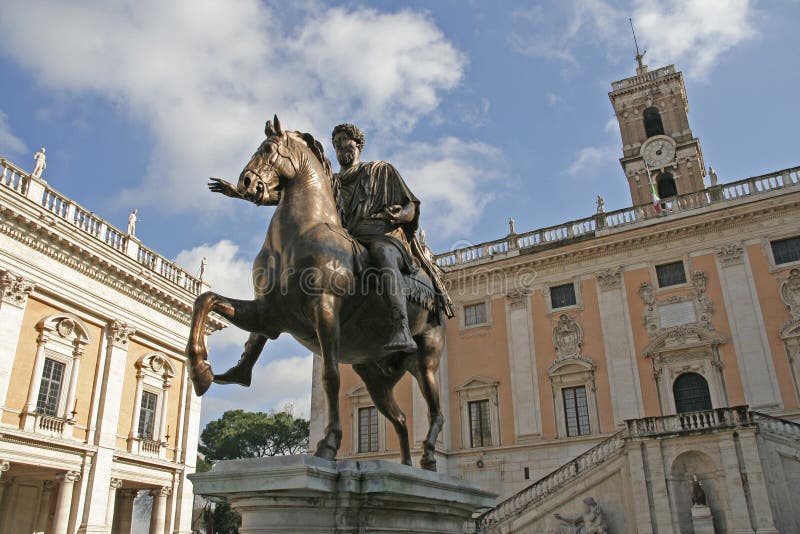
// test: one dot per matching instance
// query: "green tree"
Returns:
(241, 434)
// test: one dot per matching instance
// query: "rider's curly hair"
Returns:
(352, 131)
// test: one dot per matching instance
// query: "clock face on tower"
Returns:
(658, 151)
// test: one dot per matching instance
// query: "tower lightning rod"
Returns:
(642, 67)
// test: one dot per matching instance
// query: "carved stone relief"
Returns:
(731, 254)
(15, 289)
(567, 337)
(610, 278)
(790, 293)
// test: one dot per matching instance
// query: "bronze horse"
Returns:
(307, 284)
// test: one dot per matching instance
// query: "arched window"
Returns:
(652, 122)
(691, 393)
(666, 185)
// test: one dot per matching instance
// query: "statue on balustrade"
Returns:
(340, 270)
(40, 163)
(590, 522)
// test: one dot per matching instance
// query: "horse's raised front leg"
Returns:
(242, 372)
(242, 313)
(325, 310)
(427, 363)
(380, 388)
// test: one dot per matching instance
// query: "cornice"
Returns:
(628, 240)
(36, 235)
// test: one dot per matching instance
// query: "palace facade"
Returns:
(621, 355)
(96, 406)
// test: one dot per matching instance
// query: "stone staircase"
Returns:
(570, 480)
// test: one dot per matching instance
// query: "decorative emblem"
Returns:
(65, 327)
(731, 254)
(567, 337)
(790, 293)
(705, 306)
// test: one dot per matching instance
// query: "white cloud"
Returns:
(205, 75)
(452, 178)
(589, 159)
(229, 274)
(10, 145)
(700, 31)
(275, 384)
(691, 33)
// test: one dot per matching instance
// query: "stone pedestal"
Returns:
(701, 520)
(290, 494)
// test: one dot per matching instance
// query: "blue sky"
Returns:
(488, 109)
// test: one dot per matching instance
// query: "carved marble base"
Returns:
(701, 520)
(307, 494)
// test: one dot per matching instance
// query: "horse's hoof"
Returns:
(429, 464)
(202, 377)
(325, 451)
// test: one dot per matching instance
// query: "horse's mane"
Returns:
(318, 151)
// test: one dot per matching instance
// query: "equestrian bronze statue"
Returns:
(340, 270)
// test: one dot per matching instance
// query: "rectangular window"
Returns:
(786, 250)
(671, 274)
(147, 415)
(475, 314)
(562, 296)
(479, 430)
(368, 429)
(50, 387)
(576, 411)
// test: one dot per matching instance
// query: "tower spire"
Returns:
(642, 68)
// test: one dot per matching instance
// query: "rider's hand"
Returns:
(393, 213)
(218, 185)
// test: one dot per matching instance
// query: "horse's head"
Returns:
(276, 163)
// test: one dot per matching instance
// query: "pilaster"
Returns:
(524, 375)
(14, 292)
(623, 374)
(748, 333)
(97, 493)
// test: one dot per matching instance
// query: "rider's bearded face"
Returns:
(346, 150)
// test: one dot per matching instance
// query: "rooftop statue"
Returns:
(340, 270)
(40, 163)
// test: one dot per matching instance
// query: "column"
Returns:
(133, 438)
(158, 516)
(112, 500)
(33, 388)
(747, 328)
(14, 291)
(319, 404)
(44, 507)
(162, 432)
(522, 360)
(4, 466)
(125, 511)
(654, 461)
(623, 372)
(73, 379)
(64, 502)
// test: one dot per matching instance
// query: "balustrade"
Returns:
(15, 179)
(627, 216)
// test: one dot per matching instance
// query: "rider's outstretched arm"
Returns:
(218, 185)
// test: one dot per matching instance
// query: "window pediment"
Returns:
(66, 328)
(476, 382)
(682, 338)
(156, 364)
(571, 365)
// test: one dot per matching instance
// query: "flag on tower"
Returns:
(653, 192)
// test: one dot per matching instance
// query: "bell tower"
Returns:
(652, 112)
